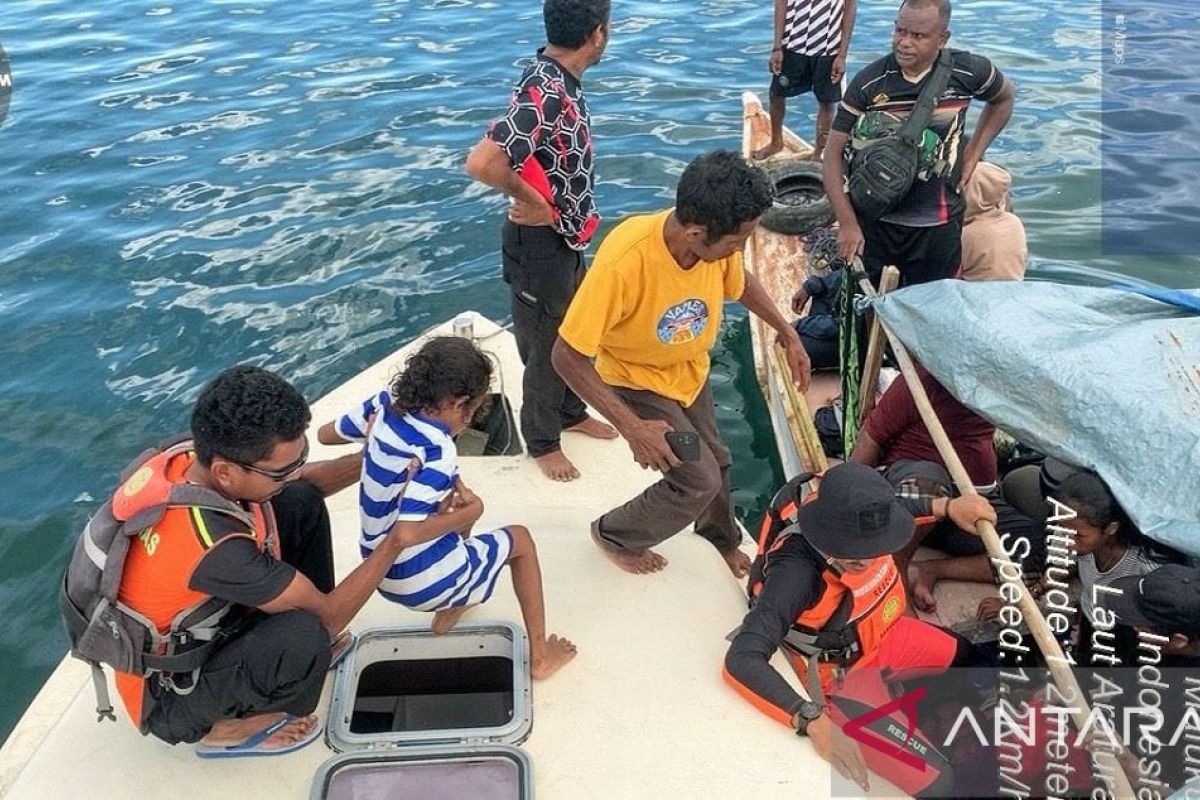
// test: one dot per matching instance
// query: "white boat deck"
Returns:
(641, 713)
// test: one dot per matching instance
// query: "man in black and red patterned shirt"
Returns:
(540, 154)
(922, 235)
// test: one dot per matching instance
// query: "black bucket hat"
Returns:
(1165, 600)
(855, 515)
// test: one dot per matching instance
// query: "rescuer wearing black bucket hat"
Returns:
(832, 598)
(855, 515)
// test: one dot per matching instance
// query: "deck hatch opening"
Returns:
(433, 694)
(493, 430)
(406, 687)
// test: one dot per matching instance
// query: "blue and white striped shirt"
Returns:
(424, 574)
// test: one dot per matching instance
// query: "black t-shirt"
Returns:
(234, 569)
(878, 101)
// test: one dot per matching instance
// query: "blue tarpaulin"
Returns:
(1104, 378)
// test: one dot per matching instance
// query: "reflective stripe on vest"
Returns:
(169, 548)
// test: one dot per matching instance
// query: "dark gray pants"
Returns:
(932, 480)
(543, 273)
(278, 663)
(695, 491)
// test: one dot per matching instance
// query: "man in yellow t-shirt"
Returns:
(648, 312)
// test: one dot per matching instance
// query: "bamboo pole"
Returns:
(799, 418)
(791, 417)
(1055, 659)
(875, 346)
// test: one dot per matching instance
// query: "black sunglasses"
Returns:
(276, 474)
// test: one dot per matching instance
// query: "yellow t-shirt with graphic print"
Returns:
(648, 322)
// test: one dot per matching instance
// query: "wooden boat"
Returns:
(642, 711)
(779, 262)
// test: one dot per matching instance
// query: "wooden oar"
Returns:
(1055, 659)
(870, 377)
(799, 418)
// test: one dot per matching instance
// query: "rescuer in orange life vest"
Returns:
(831, 596)
(256, 538)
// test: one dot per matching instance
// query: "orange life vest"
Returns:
(780, 514)
(849, 620)
(163, 556)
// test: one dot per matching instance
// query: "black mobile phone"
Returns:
(684, 444)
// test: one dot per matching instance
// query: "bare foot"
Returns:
(557, 653)
(767, 151)
(816, 155)
(738, 562)
(920, 585)
(445, 619)
(641, 563)
(557, 467)
(594, 428)
(228, 732)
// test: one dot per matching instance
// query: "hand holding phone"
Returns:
(684, 444)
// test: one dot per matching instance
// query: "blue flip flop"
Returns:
(252, 745)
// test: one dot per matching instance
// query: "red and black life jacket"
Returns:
(781, 512)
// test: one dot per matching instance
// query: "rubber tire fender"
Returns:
(797, 180)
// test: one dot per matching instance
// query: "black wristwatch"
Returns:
(804, 717)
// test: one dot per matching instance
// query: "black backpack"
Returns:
(882, 173)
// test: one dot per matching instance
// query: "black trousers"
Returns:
(921, 254)
(543, 273)
(275, 662)
(1013, 526)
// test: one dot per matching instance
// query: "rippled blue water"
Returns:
(190, 185)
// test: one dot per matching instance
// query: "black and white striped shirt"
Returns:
(814, 27)
(1136, 561)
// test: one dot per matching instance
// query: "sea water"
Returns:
(186, 186)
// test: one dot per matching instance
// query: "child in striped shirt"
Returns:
(410, 478)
